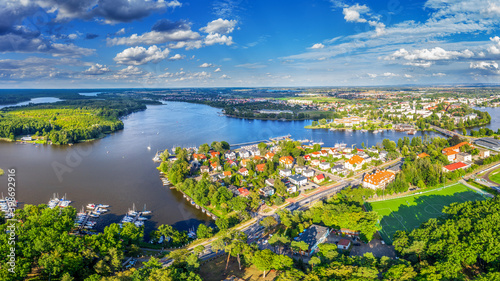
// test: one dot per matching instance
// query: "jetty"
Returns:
(259, 141)
(135, 217)
(204, 210)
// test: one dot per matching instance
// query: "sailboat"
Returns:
(149, 146)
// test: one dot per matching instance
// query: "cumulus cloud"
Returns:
(154, 37)
(176, 57)
(141, 55)
(490, 66)
(224, 76)
(217, 70)
(426, 57)
(318, 46)
(216, 38)
(206, 65)
(220, 26)
(34, 68)
(188, 45)
(129, 72)
(495, 49)
(439, 74)
(353, 13)
(97, 69)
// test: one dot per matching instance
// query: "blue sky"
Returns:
(246, 43)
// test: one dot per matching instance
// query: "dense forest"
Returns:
(68, 121)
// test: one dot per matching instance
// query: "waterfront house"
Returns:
(254, 151)
(354, 163)
(298, 180)
(344, 244)
(323, 153)
(260, 167)
(319, 178)
(313, 236)
(287, 161)
(243, 191)
(454, 166)
(266, 191)
(308, 173)
(378, 180)
(285, 173)
(270, 182)
(324, 165)
(204, 169)
(243, 171)
(230, 155)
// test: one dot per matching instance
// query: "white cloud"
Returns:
(439, 74)
(433, 54)
(389, 74)
(216, 38)
(176, 57)
(188, 45)
(217, 70)
(485, 65)
(97, 69)
(130, 71)
(154, 37)
(495, 49)
(220, 26)
(224, 76)
(120, 32)
(419, 63)
(72, 36)
(372, 75)
(408, 76)
(353, 13)
(141, 55)
(318, 46)
(204, 65)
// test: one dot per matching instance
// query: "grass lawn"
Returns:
(495, 176)
(409, 212)
(214, 271)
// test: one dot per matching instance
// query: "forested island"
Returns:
(68, 121)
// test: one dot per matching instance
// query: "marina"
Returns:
(86, 220)
(135, 217)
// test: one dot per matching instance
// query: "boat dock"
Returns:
(84, 219)
(135, 217)
(259, 141)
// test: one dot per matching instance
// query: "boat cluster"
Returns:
(59, 202)
(135, 217)
(84, 218)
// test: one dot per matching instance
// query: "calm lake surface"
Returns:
(34, 101)
(118, 170)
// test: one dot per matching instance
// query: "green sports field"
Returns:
(408, 213)
(495, 176)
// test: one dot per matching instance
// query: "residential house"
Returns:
(204, 169)
(243, 191)
(244, 153)
(260, 167)
(291, 188)
(344, 244)
(337, 155)
(308, 173)
(337, 168)
(270, 182)
(378, 180)
(307, 157)
(319, 178)
(354, 163)
(455, 166)
(423, 155)
(324, 165)
(464, 157)
(383, 154)
(266, 191)
(287, 161)
(199, 157)
(298, 180)
(232, 163)
(234, 190)
(227, 173)
(257, 158)
(300, 169)
(323, 153)
(285, 173)
(269, 155)
(243, 171)
(215, 166)
(451, 155)
(484, 153)
(245, 162)
(230, 155)
(214, 154)
(315, 162)
(254, 151)
(313, 236)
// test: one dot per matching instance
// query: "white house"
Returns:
(355, 163)
(324, 165)
(285, 173)
(308, 173)
(298, 180)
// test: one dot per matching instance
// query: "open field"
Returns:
(495, 176)
(409, 212)
(214, 271)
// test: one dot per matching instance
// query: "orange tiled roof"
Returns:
(286, 159)
(260, 167)
(356, 159)
(269, 155)
(378, 177)
(227, 173)
(422, 155)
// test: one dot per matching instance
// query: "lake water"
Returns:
(118, 170)
(34, 101)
